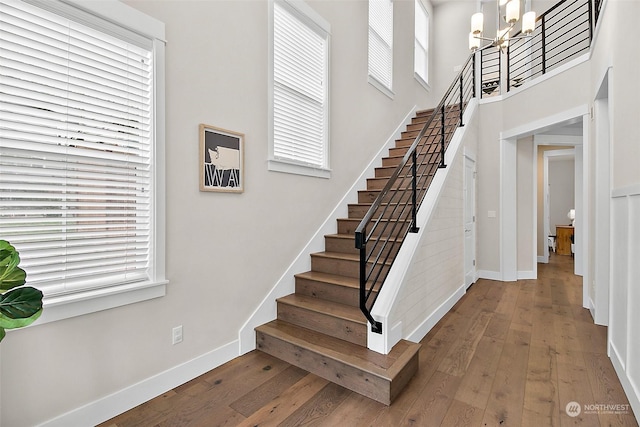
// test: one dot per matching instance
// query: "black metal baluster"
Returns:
(473, 74)
(461, 97)
(508, 67)
(442, 137)
(590, 20)
(544, 45)
(414, 196)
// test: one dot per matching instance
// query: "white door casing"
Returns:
(469, 221)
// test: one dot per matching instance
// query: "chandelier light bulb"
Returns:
(513, 11)
(477, 22)
(528, 22)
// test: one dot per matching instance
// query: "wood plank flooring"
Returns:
(507, 354)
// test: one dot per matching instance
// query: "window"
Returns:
(81, 154)
(421, 52)
(300, 120)
(381, 45)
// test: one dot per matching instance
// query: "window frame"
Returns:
(307, 16)
(372, 79)
(423, 80)
(108, 16)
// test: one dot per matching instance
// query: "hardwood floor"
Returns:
(507, 354)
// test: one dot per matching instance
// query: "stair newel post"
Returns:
(361, 244)
(414, 196)
(442, 137)
(461, 97)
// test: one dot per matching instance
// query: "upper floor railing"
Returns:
(562, 33)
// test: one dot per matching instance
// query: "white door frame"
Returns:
(548, 155)
(471, 278)
(599, 305)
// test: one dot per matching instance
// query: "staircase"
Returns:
(320, 327)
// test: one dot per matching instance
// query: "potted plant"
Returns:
(19, 305)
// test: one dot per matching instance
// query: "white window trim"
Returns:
(417, 75)
(280, 165)
(373, 81)
(80, 303)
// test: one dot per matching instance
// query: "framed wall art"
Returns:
(221, 160)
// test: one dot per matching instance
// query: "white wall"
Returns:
(450, 44)
(224, 251)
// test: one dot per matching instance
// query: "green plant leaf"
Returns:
(11, 276)
(8, 323)
(2, 333)
(12, 279)
(9, 256)
(20, 307)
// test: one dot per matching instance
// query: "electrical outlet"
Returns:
(176, 335)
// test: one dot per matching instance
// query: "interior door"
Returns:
(469, 221)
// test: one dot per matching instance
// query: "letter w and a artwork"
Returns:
(222, 156)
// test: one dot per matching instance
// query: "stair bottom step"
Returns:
(377, 376)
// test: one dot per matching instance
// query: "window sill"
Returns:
(420, 80)
(298, 169)
(381, 87)
(78, 304)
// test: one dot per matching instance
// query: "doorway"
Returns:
(508, 192)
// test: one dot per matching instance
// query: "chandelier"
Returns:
(510, 11)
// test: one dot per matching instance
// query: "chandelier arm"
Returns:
(483, 38)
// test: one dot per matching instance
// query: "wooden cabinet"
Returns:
(564, 233)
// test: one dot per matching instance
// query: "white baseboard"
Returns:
(527, 275)
(543, 259)
(121, 401)
(630, 388)
(424, 328)
(592, 309)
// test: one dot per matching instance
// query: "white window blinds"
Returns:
(421, 52)
(75, 162)
(381, 41)
(300, 67)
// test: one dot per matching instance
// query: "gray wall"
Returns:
(561, 191)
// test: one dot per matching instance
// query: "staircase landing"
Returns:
(377, 376)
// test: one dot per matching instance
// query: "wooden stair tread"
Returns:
(337, 255)
(351, 237)
(334, 279)
(425, 112)
(342, 311)
(381, 365)
(340, 255)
